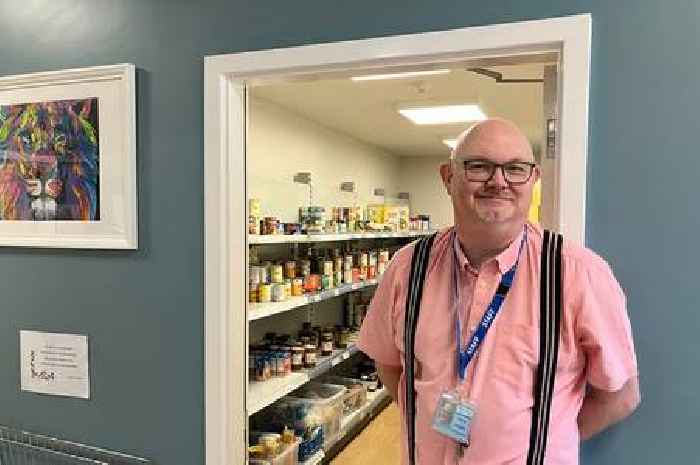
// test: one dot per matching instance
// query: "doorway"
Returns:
(227, 80)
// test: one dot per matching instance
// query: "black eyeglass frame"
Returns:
(492, 166)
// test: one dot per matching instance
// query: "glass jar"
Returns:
(310, 356)
(327, 343)
(343, 338)
(297, 357)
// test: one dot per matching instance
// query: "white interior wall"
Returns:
(420, 177)
(282, 143)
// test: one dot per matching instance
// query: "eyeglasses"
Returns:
(514, 172)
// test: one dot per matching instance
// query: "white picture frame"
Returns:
(109, 218)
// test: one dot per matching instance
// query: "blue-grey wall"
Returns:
(144, 309)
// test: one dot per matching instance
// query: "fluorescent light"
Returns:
(451, 143)
(410, 74)
(444, 114)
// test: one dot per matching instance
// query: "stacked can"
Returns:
(254, 214)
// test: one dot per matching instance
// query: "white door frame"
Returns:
(225, 192)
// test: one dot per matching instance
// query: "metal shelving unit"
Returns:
(310, 238)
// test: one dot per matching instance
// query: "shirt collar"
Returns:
(505, 260)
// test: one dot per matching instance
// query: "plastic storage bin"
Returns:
(288, 456)
(356, 395)
(327, 401)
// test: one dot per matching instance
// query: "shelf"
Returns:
(264, 393)
(299, 238)
(258, 310)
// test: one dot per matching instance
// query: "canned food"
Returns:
(290, 269)
(253, 293)
(287, 288)
(253, 225)
(265, 293)
(297, 287)
(338, 264)
(276, 274)
(278, 292)
(254, 208)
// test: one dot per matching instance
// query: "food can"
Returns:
(297, 287)
(287, 288)
(328, 267)
(253, 225)
(290, 269)
(276, 274)
(278, 292)
(265, 293)
(347, 276)
(253, 293)
(254, 208)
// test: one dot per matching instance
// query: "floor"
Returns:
(377, 443)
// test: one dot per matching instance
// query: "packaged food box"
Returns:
(287, 455)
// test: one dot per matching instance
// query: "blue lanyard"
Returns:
(465, 356)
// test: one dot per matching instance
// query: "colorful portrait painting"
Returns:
(50, 161)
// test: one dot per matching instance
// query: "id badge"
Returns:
(453, 417)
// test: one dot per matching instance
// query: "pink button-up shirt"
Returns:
(595, 347)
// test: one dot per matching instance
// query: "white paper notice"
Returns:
(54, 364)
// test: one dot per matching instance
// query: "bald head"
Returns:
(494, 135)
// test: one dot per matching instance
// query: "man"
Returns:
(489, 177)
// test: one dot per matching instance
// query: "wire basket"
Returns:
(24, 448)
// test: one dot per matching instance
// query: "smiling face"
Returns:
(496, 203)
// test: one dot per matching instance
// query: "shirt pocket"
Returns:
(515, 358)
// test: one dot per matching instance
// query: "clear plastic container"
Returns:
(356, 395)
(327, 402)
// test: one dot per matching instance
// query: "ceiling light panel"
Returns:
(410, 74)
(444, 114)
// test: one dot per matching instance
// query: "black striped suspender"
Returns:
(550, 318)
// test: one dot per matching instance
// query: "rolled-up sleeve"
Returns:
(605, 332)
(378, 332)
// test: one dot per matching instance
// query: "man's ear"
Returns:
(446, 175)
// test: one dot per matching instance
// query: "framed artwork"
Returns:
(68, 159)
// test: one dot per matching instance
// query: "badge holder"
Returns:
(453, 417)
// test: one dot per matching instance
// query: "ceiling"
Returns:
(367, 110)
